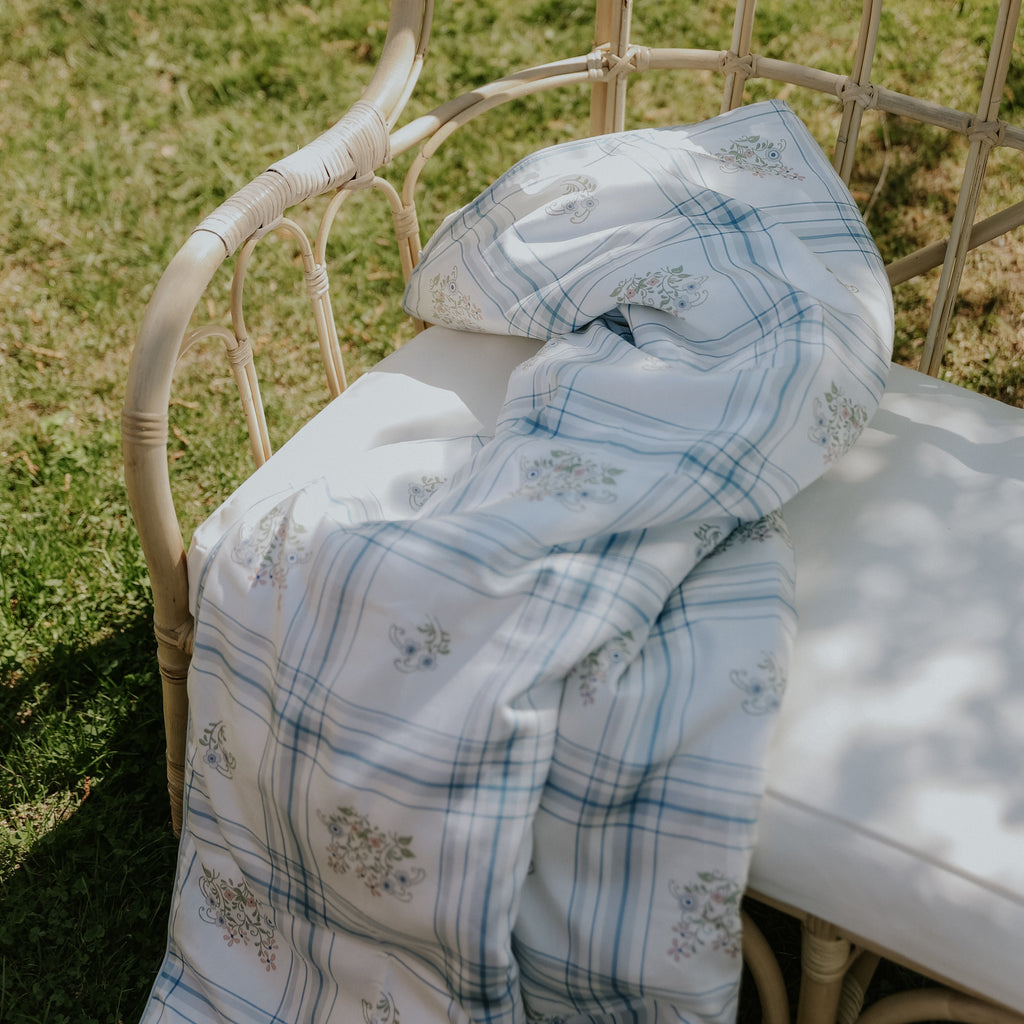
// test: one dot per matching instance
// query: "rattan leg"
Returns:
(764, 969)
(825, 958)
(173, 655)
(855, 987)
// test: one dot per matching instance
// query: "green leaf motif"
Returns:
(452, 306)
(670, 289)
(570, 478)
(758, 156)
(710, 916)
(838, 423)
(234, 907)
(374, 856)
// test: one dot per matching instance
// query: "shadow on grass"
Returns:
(83, 914)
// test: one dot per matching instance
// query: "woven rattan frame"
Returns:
(837, 967)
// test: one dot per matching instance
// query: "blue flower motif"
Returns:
(215, 754)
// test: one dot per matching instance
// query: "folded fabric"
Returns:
(476, 723)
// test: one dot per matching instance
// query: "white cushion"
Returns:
(895, 800)
(443, 383)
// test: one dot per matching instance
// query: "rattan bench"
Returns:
(893, 823)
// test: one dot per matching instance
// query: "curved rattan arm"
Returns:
(354, 148)
(144, 438)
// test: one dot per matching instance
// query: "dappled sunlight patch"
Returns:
(23, 825)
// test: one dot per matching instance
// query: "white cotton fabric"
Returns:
(478, 721)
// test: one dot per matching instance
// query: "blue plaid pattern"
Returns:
(477, 731)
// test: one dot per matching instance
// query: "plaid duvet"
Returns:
(478, 722)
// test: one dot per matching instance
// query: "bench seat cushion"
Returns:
(895, 800)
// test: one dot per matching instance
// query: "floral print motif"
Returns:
(710, 916)
(233, 907)
(568, 477)
(384, 1011)
(757, 531)
(577, 201)
(670, 289)
(708, 537)
(420, 653)
(761, 157)
(764, 688)
(419, 493)
(597, 667)
(710, 540)
(377, 858)
(270, 548)
(838, 422)
(216, 754)
(452, 306)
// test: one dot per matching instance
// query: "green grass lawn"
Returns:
(121, 126)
